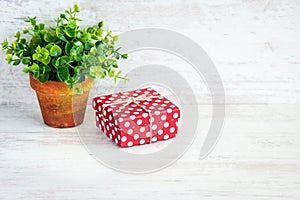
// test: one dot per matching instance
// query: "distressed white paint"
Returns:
(255, 46)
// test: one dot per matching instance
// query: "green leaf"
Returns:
(35, 40)
(25, 69)
(72, 24)
(4, 44)
(42, 70)
(34, 67)
(108, 32)
(111, 73)
(77, 69)
(15, 45)
(101, 59)
(63, 74)
(125, 79)
(20, 53)
(115, 65)
(116, 55)
(17, 35)
(33, 21)
(23, 41)
(48, 46)
(36, 74)
(47, 60)
(47, 37)
(109, 52)
(9, 58)
(100, 24)
(45, 53)
(125, 56)
(63, 38)
(47, 68)
(77, 58)
(78, 34)
(57, 63)
(76, 50)
(71, 85)
(91, 30)
(65, 60)
(58, 32)
(36, 28)
(26, 60)
(43, 78)
(78, 90)
(27, 19)
(78, 19)
(88, 45)
(77, 43)
(68, 48)
(94, 37)
(63, 16)
(35, 56)
(50, 37)
(115, 38)
(41, 26)
(55, 50)
(70, 32)
(76, 8)
(26, 30)
(86, 37)
(16, 62)
(38, 49)
(99, 32)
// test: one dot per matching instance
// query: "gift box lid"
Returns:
(132, 108)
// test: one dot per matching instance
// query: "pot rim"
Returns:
(57, 87)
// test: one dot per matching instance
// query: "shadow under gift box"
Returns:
(124, 117)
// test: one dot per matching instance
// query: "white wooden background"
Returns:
(255, 46)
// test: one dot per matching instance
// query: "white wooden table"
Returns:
(256, 158)
(255, 46)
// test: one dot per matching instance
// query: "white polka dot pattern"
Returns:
(142, 129)
(124, 138)
(154, 139)
(129, 125)
(142, 141)
(166, 124)
(148, 134)
(139, 122)
(172, 129)
(130, 143)
(160, 132)
(136, 136)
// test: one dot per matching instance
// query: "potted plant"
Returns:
(62, 61)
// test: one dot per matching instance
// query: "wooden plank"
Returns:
(255, 46)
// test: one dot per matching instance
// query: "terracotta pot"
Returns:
(60, 106)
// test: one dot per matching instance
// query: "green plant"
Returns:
(65, 52)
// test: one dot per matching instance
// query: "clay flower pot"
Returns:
(60, 106)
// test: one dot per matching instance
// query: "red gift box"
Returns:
(125, 117)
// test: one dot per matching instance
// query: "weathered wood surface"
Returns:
(256, 158)
(255, 46)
